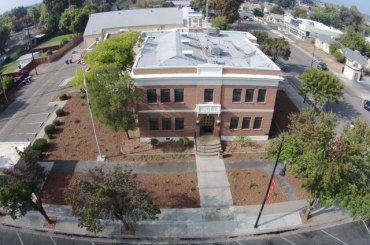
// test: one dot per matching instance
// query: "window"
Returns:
(165, 95)
(179, 123)
(153, 124)
(234, 122)
(261, 95)
(237, 95)
(246, 122)
(151, 95)
(249, 95)
(257, 123)
(179, 95)
(208, 95)
(166, 123)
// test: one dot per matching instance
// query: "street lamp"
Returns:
(269, 185)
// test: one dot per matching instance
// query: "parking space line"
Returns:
(20, 239)
(327, 233)
(92, 243)
(287, 240)
(52, 240)
(27, 133)
(366, 227)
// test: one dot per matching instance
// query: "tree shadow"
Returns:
(343, 110)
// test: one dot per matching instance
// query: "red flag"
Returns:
(272, 189)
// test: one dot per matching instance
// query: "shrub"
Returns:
(64, 41)
(185, 141)
(62, 96)
(154, 142)
(49, 129)
(39, 144)
(339, 57)
(60, 112)
(6, 82)
(56, 122)
(243, 140)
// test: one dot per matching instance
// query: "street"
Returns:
(24, 117)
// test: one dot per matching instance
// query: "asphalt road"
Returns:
(355, 233)
(347, 110)
(26, 114)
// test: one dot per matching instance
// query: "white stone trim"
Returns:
(255, 138)
(247, 110)
(163, 139)
(164, 111)
(195, 110)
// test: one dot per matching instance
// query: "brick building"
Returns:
(204, 82)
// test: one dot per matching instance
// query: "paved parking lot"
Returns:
(355, 233)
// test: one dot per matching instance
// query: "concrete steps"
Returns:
(208, 145)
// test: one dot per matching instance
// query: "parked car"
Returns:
(27, 80)
(366, 105)
(322, 66)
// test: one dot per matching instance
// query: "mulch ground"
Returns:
(74, 140)
(248, 187)
(168, 190)
(297, 183)
(283, 108)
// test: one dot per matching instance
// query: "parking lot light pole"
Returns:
(269, 185)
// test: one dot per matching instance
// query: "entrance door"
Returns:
(206, 124)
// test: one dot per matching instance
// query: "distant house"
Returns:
(275, 18)
(356, 64)
(103, 25)
(324, 42)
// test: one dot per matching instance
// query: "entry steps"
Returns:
(208, 145)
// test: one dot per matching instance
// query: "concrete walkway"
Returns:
(214, 187)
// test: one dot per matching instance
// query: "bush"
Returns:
(154, 142)
(49, 129)
(185, 141)
(62, 96)
(64, 41)
(339, 57)
(56, 122)
(243, 140)
(60, 112)
(6, 82)
(39, 144)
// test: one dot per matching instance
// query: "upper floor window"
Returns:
(179, 95)
(208, 95)
(261, 95)
(234, 122)
(257, 123)
(237, 95)
(165, 95)
(166, 123)
(249, 95)
(153, 124)
(151, 95)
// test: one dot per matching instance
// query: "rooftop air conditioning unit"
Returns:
(213, 31)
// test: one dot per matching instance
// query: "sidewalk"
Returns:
(194, 223)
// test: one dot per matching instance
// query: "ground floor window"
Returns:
(166, 123)
(179, 123)
(246, 122)
(257, 123)
(234, 122)
(153, 124)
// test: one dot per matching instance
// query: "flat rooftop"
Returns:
(189, 49)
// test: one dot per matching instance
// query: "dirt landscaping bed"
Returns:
(248, 187)
(168, 190)
(235, 151)
(74, 140)
(297, 183)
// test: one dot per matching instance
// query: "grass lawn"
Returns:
(56, 40)
(10, 67)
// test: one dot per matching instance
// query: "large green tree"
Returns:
(354, 40)
(114, 195)
(227, 8)
(4, 37)
(277, 10)
(74, 19)
(299, 12)
(322, 86)
(276, 48)
(220, 22)
(21, 189)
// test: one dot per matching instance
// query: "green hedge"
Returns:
(39, 144)
(49, 129)
(60, 112)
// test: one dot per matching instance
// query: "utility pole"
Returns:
(29, 45)
(269, 185)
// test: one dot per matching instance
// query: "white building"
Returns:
(356, 64)
(324, 42)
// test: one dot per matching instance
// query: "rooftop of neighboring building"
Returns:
(190, 49)
(326, 39)
(355, 55)
(132, 18)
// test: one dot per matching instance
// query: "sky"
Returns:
(6, 5)
(362, 5)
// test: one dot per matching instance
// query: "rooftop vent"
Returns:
(216, 50)
(188, 52)
(213, 31)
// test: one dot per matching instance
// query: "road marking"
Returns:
(34, 123)
(27, 133)
(92, 243)
(287, 240)
(53, 240)
(334, 237)
(366, 227)
(38, 113)
(20, 239)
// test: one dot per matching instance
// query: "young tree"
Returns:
(307, 158)
(276, 48)
(220, 22)
(115, 196)
(261, 36)
(21, 189)
(258, 13)
(322, 86)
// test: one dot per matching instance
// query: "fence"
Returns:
(64, 49)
